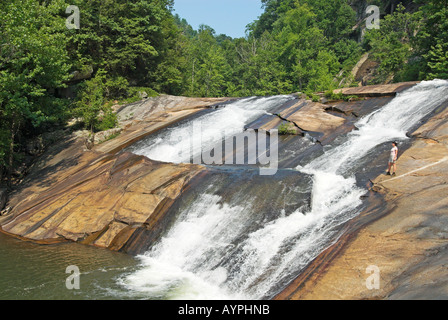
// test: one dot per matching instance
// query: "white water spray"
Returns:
(227, 121)
(194, 260)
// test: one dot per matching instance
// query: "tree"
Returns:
(391, 44)
(33, 61)
(135, 40)
(206, 65)
(431, 41)
(90, 105)
(437, 62)
(256, 69)
(303, 45)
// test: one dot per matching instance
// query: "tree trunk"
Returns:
(11, 155)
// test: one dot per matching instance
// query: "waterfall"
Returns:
(209, 252)
(232, 120)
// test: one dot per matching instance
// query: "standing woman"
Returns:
(393, 159)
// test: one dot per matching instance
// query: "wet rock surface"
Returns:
(143, 118)
(376, 90)
(267, 197)
(408, 239)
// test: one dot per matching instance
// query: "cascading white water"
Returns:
(180, 266)
(387, 124)
(232, 119)
(194, 260)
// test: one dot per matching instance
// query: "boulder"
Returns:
(312, 117)
(77, 76)
(143, 95)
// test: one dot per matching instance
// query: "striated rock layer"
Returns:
(100, 197)
(100, 201)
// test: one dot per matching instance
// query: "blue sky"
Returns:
(225, 16)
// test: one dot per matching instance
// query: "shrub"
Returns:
(334, 96)
(286, 129)
(116, 88)
(108, 120)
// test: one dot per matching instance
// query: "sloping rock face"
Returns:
(143, 118)
(164, 104)
(408, 245)
(119, 201)
(99, 199)
(376, 90)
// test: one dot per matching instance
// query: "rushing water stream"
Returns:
(193, 259)
(237, 235)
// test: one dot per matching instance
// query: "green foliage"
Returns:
(107, 120)
(390, 45)
(348, 52)
(437, 59)
(294, 46)
(208, 64)
(116, 87)
(33, 62)
(412, 45)
(431, 42)
(134, 92)
(286, 129)
(330, 95)
(255, 67)
(91, 107)
(312, 96)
